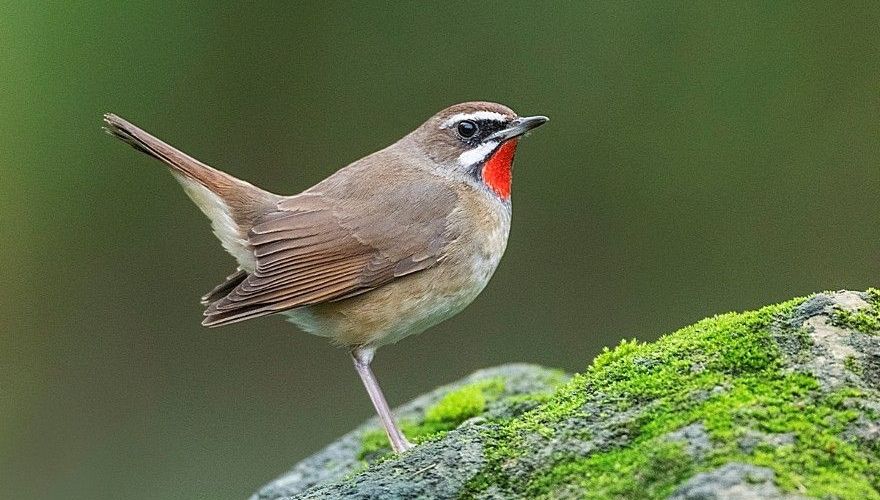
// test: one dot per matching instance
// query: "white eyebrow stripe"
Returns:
(477, 115)
(477, 154)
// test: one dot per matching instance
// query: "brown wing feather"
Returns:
(339, 240)
(221, 290)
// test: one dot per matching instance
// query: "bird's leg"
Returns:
(362, 358)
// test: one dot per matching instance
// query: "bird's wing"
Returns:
(320, 247)
(223, 289)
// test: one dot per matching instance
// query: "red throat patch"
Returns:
(496, 171)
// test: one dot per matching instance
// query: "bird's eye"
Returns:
(467, 129)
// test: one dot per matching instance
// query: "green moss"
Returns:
(724, 372)
(650, 474)
(446, 414)
(853, 365)
(865, 320)
(458, 406)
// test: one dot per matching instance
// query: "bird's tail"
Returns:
(233, 205)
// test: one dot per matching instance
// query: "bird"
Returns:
(387, 246)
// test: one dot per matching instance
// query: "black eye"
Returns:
(467, 129)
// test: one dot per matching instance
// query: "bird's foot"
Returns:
(401, 444)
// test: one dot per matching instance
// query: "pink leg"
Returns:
(362, 358)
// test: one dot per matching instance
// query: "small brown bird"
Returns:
(386, 247)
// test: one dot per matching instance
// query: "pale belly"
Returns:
(411, 304)
(405, 307)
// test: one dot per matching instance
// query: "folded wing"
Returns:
(320, 247)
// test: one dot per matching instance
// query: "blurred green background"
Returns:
(702, 157)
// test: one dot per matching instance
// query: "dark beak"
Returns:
(518, 127)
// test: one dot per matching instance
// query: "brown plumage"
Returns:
(310, 249)
(385, 247)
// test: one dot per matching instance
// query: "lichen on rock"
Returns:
(783, 402)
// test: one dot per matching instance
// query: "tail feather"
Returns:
(232, 205)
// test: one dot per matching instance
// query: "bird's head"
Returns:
(476, 139)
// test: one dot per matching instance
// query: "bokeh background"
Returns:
(702, 157)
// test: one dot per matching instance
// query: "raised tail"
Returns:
(232, 204)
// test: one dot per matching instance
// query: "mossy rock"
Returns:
(497, 393)
(783, 402)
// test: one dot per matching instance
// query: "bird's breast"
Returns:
(478, 228)
(482, 224)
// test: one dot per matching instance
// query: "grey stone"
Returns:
(753, 439)
(432, 470)
(732, 481)
(695, 439)
(815, 345)
(340, 458)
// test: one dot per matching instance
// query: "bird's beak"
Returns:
(518, 127)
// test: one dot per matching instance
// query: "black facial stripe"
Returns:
(487, 127)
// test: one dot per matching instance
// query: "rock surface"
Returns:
(344, 457)
(783, 402)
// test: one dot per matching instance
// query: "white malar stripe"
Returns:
(477, 115)
(476, 155)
